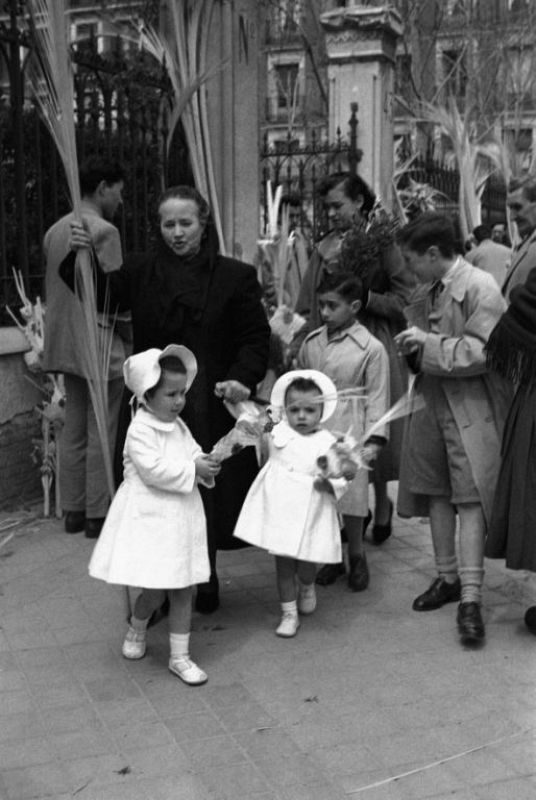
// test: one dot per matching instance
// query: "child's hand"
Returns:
(369, 453)
(206, 467)
(323, 485)
(348, 469)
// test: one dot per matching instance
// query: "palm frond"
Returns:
(470, 154)
(182, 49)
(51, 82)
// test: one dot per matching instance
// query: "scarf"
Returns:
(511, 347)
(177, 287)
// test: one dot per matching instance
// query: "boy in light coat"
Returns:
(353, 358)
(452, 445)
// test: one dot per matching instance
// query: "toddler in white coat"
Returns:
(290, 510)
(155, 534)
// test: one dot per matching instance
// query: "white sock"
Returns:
(290, 608)
(139, 625)
(472, 579)
(179, 644)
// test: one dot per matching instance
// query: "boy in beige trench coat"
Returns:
(451, 450)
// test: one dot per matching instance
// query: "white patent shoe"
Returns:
(288, 626)
(134, 645)
(187, 670)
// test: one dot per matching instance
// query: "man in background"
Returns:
(83, 485)
(489, 255)
(521, 200)
(499, 234)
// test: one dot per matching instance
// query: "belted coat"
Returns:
(457, 331)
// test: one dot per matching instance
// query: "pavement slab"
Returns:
(370, 701)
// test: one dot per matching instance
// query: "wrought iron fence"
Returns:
(299, 169)
(121, 111)
(447, 181)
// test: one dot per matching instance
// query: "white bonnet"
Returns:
(142, 371)
(325, 384)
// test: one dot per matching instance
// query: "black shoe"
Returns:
(380, 533)
(329, 573)
(530, 619)
(470, 623)
(207, 599)
(93, 527)
(74, 521)
(358, 577)
(439, 593)
(207, 602)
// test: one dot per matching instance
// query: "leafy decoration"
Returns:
(363, 244)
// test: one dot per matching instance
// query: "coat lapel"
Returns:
(517, 258)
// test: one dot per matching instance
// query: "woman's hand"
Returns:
(79, 238)
(232, 391)
(206, 467)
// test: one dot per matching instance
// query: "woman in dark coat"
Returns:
(185, 292)
(512, 352)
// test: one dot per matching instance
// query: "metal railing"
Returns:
(299, 169)
(121, 111)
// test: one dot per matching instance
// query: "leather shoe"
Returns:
(439, 593)
(329, 573)
(74, 521)
(207, 602)
(470, 623)
(93, 527)
(380, 533)
(530, 619)
(358, 577)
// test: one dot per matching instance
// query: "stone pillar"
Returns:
(360, 44)
(233, 122)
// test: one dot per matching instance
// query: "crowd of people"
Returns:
(191, 340)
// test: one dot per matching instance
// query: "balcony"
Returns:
(282, 32)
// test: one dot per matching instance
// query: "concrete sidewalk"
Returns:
(368, 690)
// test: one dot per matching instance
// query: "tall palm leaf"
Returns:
(182, 49)
(51, 81)
(470, 155)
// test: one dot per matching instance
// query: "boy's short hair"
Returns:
(348, 285)
(302, 385)
(429, 230)
(482, 232)
(167, 364)
(353, 185)
(94, 170)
